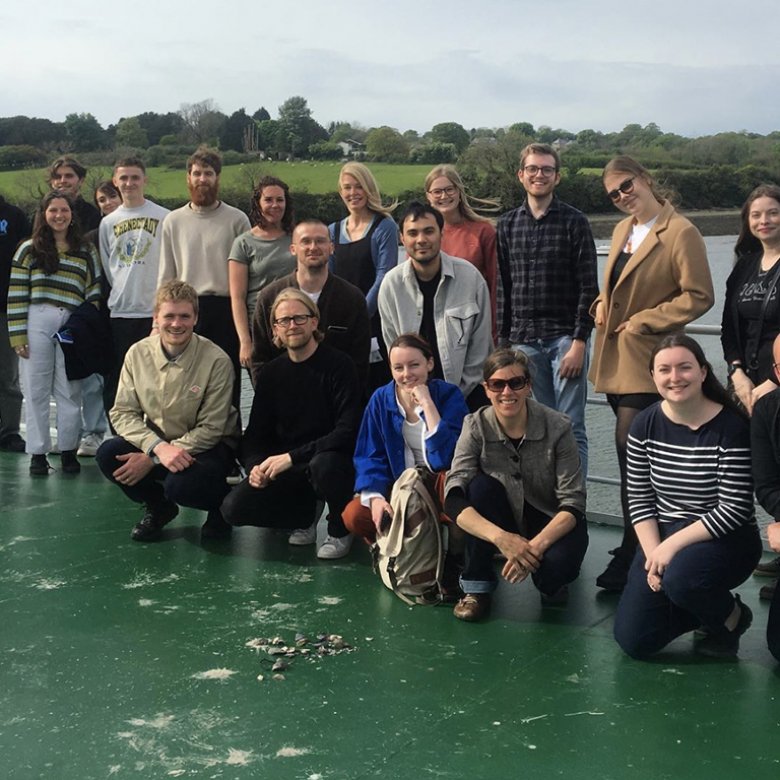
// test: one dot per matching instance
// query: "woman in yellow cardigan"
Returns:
(657, 280)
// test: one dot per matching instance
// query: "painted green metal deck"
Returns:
(124, 660)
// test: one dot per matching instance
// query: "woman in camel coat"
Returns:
(657, 280)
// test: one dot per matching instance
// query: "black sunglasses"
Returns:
(498, 385)
(624, 188)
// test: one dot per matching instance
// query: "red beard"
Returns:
(203, 195)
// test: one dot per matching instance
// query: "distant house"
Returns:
(351, 148)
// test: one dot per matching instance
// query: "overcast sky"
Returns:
(693, 68)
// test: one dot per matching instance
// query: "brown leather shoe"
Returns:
(472, 607)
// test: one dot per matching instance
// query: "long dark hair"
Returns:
(747, 243)
(44, 247)
(711, 386)
(256, 213)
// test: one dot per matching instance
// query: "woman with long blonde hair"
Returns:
(365, 249)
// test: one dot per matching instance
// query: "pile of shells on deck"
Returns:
(279, 651)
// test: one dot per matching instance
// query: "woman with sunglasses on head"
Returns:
(516, 485)
(466, 234)
(656, 281)
(690, 496)
(259, 256)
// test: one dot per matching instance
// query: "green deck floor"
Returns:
(107, 648)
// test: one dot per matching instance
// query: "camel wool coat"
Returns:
(665, 285)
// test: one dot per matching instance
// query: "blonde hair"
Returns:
(465, 208)
(176, 291)
(367, 181)
(294, 294)
(624, 164)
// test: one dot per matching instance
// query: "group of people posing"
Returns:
(463, 366)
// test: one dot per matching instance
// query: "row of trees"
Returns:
(709, 171)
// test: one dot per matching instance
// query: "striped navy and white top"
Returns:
(678, 474)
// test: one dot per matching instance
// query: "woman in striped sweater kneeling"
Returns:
(690, 496)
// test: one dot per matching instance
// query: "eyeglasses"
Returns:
(624, 188)
(298, 319)
(545, 170)
(498, 385)
(448, 191)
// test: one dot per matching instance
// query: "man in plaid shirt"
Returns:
(546, 283)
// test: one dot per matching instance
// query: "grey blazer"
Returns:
(545, 471)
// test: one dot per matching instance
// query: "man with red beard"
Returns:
(196, 243)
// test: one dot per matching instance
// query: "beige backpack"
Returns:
(409, 553)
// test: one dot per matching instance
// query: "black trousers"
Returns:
(289, 501)
(215, 322)
(124, 333)
(201, 486)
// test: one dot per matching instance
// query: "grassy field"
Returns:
(314, 177)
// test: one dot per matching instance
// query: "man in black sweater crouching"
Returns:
(301, 436)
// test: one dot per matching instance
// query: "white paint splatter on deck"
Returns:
(214, 674)
(329, 601)
(160, 721)
(46, 583)
(288, 751)
(144, 579)
(238, 757)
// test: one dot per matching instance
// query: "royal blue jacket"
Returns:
(379, 454)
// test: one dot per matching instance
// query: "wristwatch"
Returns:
(733, 367)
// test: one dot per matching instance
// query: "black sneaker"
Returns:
(70, 463)
(12, 443)
(768, 568)
(767, 592)
(558, 599)
(215, 527)
(614, 577)
(724, 643)
(39, 466)
(149, 529)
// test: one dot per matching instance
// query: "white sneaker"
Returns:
(335, 547)
(301, 537)
(89, 445)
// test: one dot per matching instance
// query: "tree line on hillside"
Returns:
(714, 171)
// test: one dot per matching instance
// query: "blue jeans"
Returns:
(696, 590)
(93, 415)
(566, 395)
(560, 564)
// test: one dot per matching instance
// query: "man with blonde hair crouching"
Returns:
(176, 427)
(297, 449)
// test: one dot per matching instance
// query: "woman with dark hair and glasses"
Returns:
(690, 497)
(516, 486)
(656, 281)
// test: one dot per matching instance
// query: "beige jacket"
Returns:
(665, 285)
(186, 402)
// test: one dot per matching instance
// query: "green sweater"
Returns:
(75, 281)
